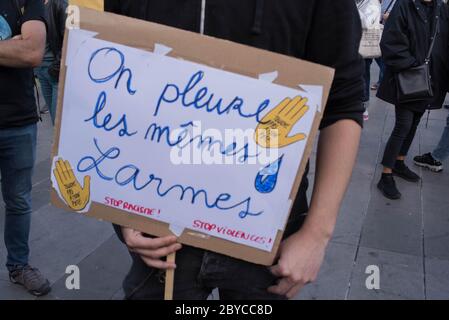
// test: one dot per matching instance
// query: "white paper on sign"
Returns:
(270, 77)
(161, 49)
(177, 230)
(75, 41)
(174, 140)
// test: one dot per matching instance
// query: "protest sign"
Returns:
(167, 131)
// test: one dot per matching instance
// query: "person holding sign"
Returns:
(48, 71)
(22, 44)
(370, 15)
(305, 35)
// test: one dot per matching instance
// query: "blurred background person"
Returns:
(370, 16)
(48, 71)
(387, 6)
(406, 41)
(22, 44)
(434, 160)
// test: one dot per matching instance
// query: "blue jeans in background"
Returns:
(49, 87)
(17, 156)
(441, 153)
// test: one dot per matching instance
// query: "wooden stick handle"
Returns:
(170, 278)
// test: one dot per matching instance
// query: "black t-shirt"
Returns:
(326, 32)
(17, 102)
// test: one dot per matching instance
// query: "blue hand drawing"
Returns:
(267, 178)
(5, 30)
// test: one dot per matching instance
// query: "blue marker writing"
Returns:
(201, 98)
(131, 175)
(119, 72)
(103, 122)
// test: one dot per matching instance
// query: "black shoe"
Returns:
(429, 162)
(401, 170)
(387, 186)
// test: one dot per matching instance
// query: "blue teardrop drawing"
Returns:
(5, 29)
(267, 177)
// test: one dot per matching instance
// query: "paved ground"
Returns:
(407, 239)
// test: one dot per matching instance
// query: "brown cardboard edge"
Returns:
(190, 237)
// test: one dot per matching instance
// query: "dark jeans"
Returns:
(367, 76)
(402, 136)
(17, 156)
(199, 271)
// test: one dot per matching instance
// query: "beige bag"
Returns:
(370, 15)
(370, 43)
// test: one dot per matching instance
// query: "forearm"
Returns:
(19, 54)
(337, 151)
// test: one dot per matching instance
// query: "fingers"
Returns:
(86, 184)
(58, 177)
(69, 170)
(136, 241)
(289, 109)
(281, 107)
(295, 105)
(151, 250)
(287, 287)
(64, 173)
(289, 106)
(292, 105)
(60, 167)
(299, 113)
(65, 170)
(290, 283)
(128, 234)
(158, 253)
(294, 139)
(298, 110)
(276, 270)
(158, 264)
(282, 288)
(157, 243)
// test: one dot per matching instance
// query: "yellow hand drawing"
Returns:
(275, 127)
(74, 195)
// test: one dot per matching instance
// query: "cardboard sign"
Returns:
(92, 4)
(170, 132)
